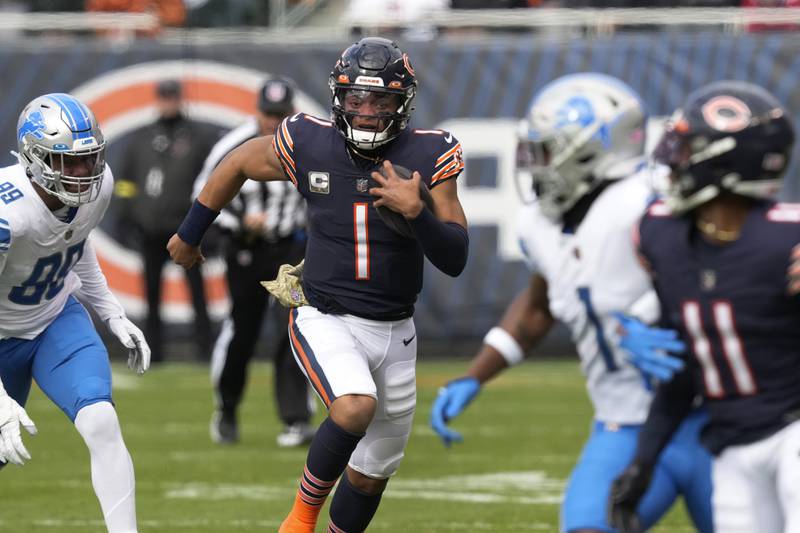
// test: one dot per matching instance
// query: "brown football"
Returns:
(395, 220)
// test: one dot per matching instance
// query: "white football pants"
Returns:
(344, 354)
(757, 486)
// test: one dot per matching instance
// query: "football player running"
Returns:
(355, 339)
(49, 203)
(718, 248)
(582, 144)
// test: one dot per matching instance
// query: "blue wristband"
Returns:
(196, 223)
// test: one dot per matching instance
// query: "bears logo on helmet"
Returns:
(729, 136)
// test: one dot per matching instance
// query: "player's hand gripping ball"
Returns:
(395, 220)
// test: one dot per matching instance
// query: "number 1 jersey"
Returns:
(355, 264)
(38, 252)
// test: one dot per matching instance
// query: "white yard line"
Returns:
(498, 487)
(214, 525)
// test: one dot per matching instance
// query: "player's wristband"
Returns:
(196, 223)
(503, 342)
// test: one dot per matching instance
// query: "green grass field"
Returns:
(522, 437)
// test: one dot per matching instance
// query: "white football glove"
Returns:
(133, 339)
(12, 415)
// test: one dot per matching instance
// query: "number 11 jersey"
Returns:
(733, 309)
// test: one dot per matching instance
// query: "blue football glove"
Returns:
(647, 348)
(453, 398)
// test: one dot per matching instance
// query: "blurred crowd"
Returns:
(232, 13)
(171, 13)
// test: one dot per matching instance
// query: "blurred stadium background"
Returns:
(478, 64)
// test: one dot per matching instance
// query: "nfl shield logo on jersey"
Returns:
(362, 184)
(319, 182)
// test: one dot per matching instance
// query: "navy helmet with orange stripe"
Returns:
(372, 66)
(729, 136)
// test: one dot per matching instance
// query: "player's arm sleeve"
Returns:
(443, 236)
(94, 287)
(444, 241)
(671, 404)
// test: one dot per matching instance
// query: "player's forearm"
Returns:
(223, 184)
(487, 364)
(671, 404)
(520, 329)
(221, 187)
(94, 286)
(527, 318)
(445, 244)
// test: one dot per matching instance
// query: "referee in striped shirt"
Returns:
(264, 226)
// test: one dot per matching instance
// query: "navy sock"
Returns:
(351, 509)
(327, 458)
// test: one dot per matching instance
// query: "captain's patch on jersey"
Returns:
(319, 182)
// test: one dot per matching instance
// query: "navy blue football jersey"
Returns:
(732, 308)
(356, 264)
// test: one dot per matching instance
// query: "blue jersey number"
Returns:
(47, 278)
(602, 342)
(9, 193)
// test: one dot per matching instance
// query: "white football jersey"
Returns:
(38, 252)
(590, 274)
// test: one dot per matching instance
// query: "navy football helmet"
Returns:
(372, 65)
(729, 136)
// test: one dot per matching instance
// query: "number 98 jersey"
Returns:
(355, 264)
(38, 252)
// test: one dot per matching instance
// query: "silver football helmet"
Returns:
(62, 148)
(581, 129)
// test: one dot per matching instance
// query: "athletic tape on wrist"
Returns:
(503, 342)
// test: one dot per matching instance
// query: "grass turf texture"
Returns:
(522, 436)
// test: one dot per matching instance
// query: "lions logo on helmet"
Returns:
(62, 148)
(580, 130)
(729, 136)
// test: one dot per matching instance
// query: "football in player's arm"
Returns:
(582, 144)
(355, 338)
(49, 203)
(718, 247)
